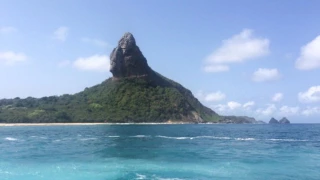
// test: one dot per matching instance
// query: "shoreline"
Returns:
(85, 124)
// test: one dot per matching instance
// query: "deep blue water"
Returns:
(160, 152)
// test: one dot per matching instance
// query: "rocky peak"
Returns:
(273, 121)
(284, 120)
(126, 60)
(127, 41)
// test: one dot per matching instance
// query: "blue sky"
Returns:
(256, 58)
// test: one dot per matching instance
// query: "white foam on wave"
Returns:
(160, 178)
(112, 136)
(141, 176)
(87, 139)
(5, 172)
(245, 139)
(39, 137)
(218, 138)
(11, 139)
(140, 136)
(195, 137)
(170, 137)
(291, 140)
(212, 137)
(154, 177)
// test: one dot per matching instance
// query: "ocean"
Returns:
(161, 152)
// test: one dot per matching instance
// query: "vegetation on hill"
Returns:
(150, 99)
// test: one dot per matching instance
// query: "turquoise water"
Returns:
(160, 152)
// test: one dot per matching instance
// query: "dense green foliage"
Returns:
(148, 99)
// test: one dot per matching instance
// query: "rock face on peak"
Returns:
(126, 60)
(284, 120)
(273, 121)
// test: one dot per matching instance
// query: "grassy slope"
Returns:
(148, 99)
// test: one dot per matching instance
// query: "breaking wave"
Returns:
(11, 139)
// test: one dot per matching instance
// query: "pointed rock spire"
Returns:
(273, 121)
(126, 60)
(284, 120)
(127, 41)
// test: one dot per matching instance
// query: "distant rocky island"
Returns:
(136, 93)
(284, 120)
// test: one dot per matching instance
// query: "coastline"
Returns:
(86, 124)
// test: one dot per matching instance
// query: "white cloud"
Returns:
(287, 111)
(263, 74)
(216, 68)
(277, 97)
(7, 29)
(309, 55)
(210, 97)
(239, 48)
(61, 33)
(221, 108)
(269, 110)
(311, 95)
(249, 104)
(11, 58)
(215, 96)
(229, 107)
(96, 42)
(309, 111)
(233, 105)
(64, 63)
(99, 63)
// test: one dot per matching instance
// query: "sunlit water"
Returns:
(160, 152)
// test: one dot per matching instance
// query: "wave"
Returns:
(87, 139)
(212, 137)
(195, 137)
(6, 172)
(39, 137)
(291, 140)
(230, 138)
(140, 136)
(169, 137)
(112, 136)
(153, 177)
(244, 139)
(11, 139)
(159, 178)
(187, 138)
(141, 176)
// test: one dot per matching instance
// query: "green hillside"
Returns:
(154, 99)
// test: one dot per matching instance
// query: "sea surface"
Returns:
(160, 152)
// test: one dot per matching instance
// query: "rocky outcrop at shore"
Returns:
(284, 120)
(273, 121)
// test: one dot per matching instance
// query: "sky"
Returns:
(246, 57)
